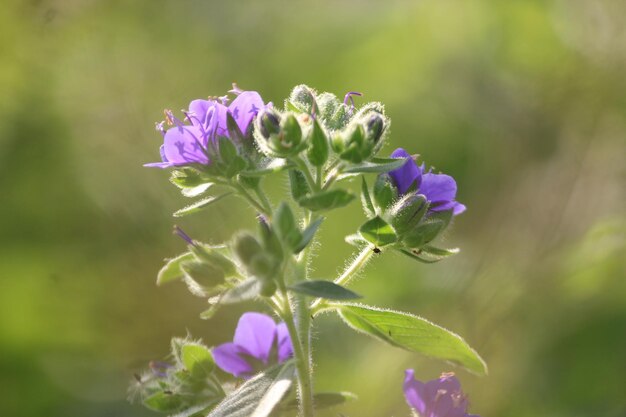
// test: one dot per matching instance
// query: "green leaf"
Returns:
(197, 359)
(172, 270)
(378, 232)
(163, 402)
(298, 184)
(258, 396)
(187, 177)
(326, 200)
(415, 255)
(286, 226)
(412, 333)
(210, 312)
(384, 192)
(197, 410)
(230, 162)
(322, 400)
(318, 150)
(356, 240)
(308, 234)
(423, 233)
(324, 289)
(439, 252)
(366, 200)
(197, 190)
(199, 205)
(234, 133)
(247, 289)
(370, 166)
(203, 274)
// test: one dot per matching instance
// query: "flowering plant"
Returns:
(321, 143)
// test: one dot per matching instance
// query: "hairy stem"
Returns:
(305, 386)
(242, 192)
(347, 275)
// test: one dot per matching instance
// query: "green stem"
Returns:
(264, 200)
(246, 195)
(348, 274)
(305, 386)
(332, 176)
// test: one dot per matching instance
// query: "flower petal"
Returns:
(414, 392)
(245, 107)
(438, 188)
(256, 333)
(227, 357)
(182, 145)
(407, 174)
(285, 348)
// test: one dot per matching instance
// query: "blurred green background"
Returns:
(524, 102)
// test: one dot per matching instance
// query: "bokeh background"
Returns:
(524, 102)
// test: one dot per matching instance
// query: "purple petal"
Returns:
(414, 392)
(285, 348)
(158, 165)
(182, 145)
(256, 333)
(438, 188)
(245, 107)
(198, 111)
(407, 174)
(227, 357)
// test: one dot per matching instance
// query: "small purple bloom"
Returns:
(258, 341)
(185, 144)
(439, 189)
(441, 397)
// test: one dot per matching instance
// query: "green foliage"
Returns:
(324, 289)
(318, 145)
(197, 359)
(258, 396)
(412, 333)
(308, 233)
(298, 185)
(172, 270)
(326, 200)
(199, 205)
(378, 232)
(286, 226)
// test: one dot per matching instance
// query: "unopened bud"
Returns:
(246, 247)
(268, 123)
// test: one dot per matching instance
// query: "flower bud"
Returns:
(202, 277)
(375, 127)
(279, 136)
(268, 123)
(407, 212)
(214, 258)
(246, 247)
(302, 97)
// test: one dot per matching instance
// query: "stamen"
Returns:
(235, 90)
(159, 127)
(349, 97)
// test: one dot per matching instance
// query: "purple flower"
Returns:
(187, 143)
(441, 397)
(258, 341)
(439, 189)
